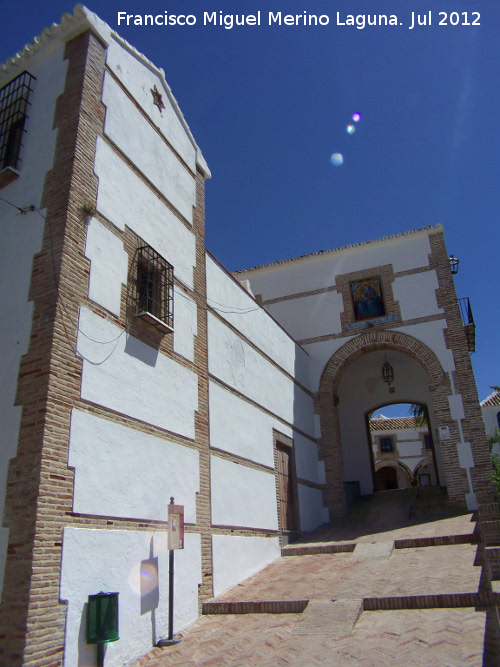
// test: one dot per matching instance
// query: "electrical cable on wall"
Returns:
(224, 308)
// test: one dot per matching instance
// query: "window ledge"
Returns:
(153, 320)
(7, 175)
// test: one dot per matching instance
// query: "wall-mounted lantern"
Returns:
(454, 262)
(388, 374)
(102, 622)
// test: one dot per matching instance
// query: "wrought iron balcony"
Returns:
(468, 320)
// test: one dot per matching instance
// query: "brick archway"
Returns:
(397, 465)
(330, 447)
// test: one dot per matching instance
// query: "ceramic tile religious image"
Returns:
(367, 299)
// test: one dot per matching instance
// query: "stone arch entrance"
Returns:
(397, 474)
(334, 425)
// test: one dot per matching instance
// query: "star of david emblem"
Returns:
(157, 100)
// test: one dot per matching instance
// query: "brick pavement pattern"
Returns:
(444, 637)
(392, 604)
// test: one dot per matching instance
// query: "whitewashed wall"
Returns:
(242, 496)
(490, 418)
(404, 252)
(185, 324)
(416, 294)
(307, 463)
(133, 135)
(21, 239)
(123, 373)
(319, 355)
(126, 473)
(235, 362)
(319, 315)
(242, 339)
(312, 512)
(431, 334)
(236, 558)
(125, 200)
(240, 428)
(108, 266)
(234, 305)
(135, 565)
(139, 78)
(121, 472)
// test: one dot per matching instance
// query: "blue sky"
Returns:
(268, 105)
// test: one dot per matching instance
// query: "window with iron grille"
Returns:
(154, 289)
(427, 439)
(14, 108)
(386, 444)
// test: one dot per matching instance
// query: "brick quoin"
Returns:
(202, 437)
(40, 485)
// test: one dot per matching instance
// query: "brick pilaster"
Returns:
(202, 436)
(463, 377)
(40, 485)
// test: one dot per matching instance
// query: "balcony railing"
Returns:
(468, 320)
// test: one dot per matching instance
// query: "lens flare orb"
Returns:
(350, 129)
(337, 159)
(356, 117)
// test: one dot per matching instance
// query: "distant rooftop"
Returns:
(492, 400)
(381, 423)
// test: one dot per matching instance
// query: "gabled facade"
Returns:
(357, 308)
(140, 370)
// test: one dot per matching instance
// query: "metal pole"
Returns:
(100, 654)
(171, 594)
(170, 639)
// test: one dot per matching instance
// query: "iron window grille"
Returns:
(386, 445)
(154, 289)
(427, 440)
(14, 107)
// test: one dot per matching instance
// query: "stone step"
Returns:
(489, 510)
(490, 530)
(255, 607)
(379, 603)
(405, 543)
(493, 560)
(486, 496)
(335, 618)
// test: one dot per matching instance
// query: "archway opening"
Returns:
(362, 392)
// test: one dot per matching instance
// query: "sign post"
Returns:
(175, 541)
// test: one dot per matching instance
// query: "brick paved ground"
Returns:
(422, 600)
(437, 637)
(437, 570)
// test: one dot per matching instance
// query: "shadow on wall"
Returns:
(150, 599)
(87, 653)
(142, 352)
(150, 591)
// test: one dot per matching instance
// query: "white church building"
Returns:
(137, 369)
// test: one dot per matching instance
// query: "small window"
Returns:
(498, 419)
(154, 289)
(14, 107)
(386, 445)
(427, 439)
